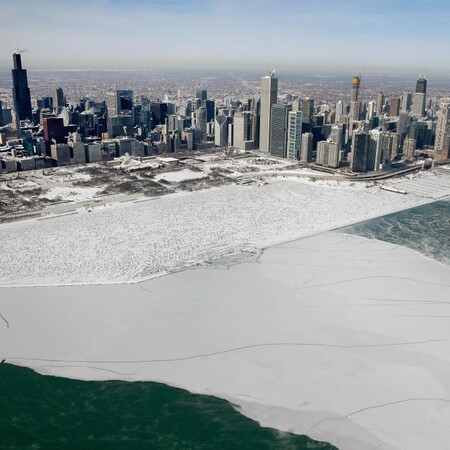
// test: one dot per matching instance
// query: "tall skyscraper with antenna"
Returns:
(21, 92)
(419, 99)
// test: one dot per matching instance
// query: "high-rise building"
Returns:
(442, 143)
(337, 135)
(21, 92)
(355, 105)
(394, 107)
(254, 108)
(1, 114)
(54, 130)
(146, 115)
(380, 104)
(406, 101)
(294, 135)
(419, 99)
(119, 102)
(242, 128)
(58, 98)
(159, 113)
(202, 94)
(358, 155)
(418, 107)
(339, 110)
(421, 85)
(375, 150)
(403, 126)
(307, 147)
(327, 154)
(278, 130)
(200, 121)
(409, 148)
(371, 110)
(269, 92)
(221, 130)
(307, 110)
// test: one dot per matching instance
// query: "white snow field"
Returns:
(334, 336)
(180, 175)
(134, 241)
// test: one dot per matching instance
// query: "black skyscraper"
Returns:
(421, 86)
(21, 92)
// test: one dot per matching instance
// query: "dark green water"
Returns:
(425, 229)
(43, 412)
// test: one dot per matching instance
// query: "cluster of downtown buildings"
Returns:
(361, 136)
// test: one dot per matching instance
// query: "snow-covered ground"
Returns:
(134, 241)
(180, 175)
(334, 336)
(70, 193)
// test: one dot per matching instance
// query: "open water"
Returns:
(425, 229)
(45, 412)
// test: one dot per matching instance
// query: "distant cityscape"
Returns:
(346, 132)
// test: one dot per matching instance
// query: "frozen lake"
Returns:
(339, 337)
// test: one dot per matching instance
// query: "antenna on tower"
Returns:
(16, 49)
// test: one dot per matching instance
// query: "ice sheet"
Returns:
(335, 336)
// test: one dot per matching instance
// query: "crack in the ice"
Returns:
(382, 405)
(145, 289)
(89, 367)
(235, 349)
(3, 317)
(389, 434)
(378, 276)
(420, 315)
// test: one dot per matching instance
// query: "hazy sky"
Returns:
(385, 36)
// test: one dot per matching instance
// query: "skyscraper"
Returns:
(339, 111)
(358, 155)
(242, 128)
(419, 99)
(406, 101)
(327, 154)
(394, 109)
(221, 130)
(307, 110)
(118, 102)
(278, 130)
(442, 144)
(294, 135)
(421, 85)
(269, 92)
(58, 98)
(21, 92)
(409, 148)
(355, 106)
(380, 104)
(200, 121)
(202, 94)
(307, 147)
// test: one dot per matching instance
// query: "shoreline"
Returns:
(199, 263)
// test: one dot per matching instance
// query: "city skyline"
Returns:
(391, 38)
